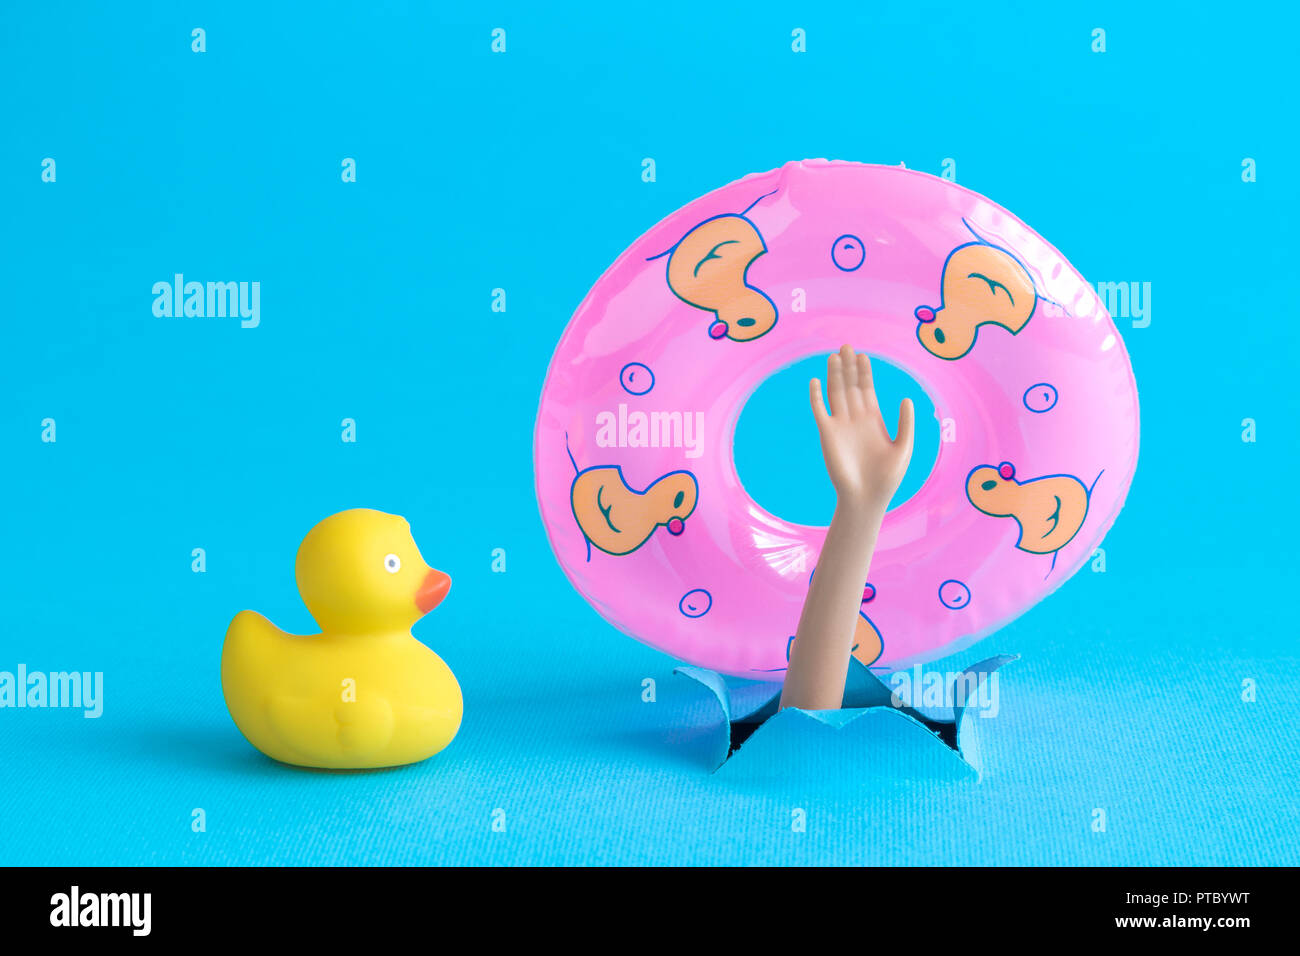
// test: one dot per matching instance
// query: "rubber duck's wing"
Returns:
(331, 733)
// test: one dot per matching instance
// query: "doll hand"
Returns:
(865, 465)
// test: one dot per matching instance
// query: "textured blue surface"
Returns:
(522, 171)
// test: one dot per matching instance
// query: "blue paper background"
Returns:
(522, 171)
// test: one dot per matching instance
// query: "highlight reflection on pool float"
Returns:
(1050, 510)
(707, 268)
(981, 284)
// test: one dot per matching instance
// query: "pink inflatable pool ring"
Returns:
(1029, 377)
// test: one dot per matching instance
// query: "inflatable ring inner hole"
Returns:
(778, 455)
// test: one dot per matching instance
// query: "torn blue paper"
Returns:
(907, 726)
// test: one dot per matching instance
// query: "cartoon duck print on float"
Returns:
(1049, 510)
(708, 268)
(981, 284)
(617, 518)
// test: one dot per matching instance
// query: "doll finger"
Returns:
(866, 383)
(835, 385)
(818, 403)
(906, 427)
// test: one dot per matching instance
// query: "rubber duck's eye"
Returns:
(392, 564)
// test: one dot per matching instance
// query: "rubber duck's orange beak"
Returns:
(432, 591)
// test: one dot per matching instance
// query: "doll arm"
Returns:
(865, 467)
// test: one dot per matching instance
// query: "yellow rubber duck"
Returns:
(363, 693)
